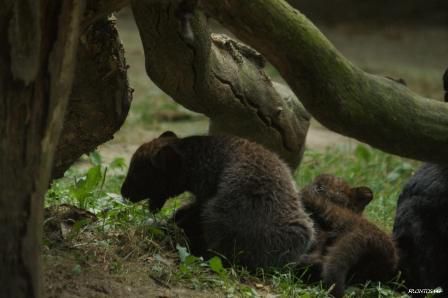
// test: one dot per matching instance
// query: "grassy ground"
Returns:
(120, 250)
(124, 247)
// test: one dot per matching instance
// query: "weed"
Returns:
(211, 274)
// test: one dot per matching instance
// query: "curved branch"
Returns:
(370, 108)
(220, 78)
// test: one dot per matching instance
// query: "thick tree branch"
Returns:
(220, 78)
(100, 98)
(372, 109)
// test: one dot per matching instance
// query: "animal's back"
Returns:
(421, 228)
(256, 215)
(379, 259)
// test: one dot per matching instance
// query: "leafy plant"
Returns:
(85, 188)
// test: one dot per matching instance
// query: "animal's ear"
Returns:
(167, 159)
(168, 134)
(363, 195)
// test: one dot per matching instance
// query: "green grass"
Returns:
(137, 233)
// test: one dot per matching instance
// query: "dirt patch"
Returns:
(66, 278)
(82, 261)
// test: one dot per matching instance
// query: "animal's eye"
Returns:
(319, 188)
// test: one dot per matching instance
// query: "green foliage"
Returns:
(202, 274)
(97, 189)
(290, 286)
(77, 270)
(85, 188)
(145, 112)
(216, 266)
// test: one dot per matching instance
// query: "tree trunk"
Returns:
(221, 78)
(372, 109)
(37, 59)
(100, 98)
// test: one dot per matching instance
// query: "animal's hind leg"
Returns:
(340, 259)
(334, 275)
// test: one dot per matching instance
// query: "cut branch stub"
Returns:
(220, 78)
(372, 109)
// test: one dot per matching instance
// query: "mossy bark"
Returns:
(220, 78)
(372, 109)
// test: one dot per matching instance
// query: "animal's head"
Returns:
(339, 192)
(155, 172)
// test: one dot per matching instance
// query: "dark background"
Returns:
(379, 12)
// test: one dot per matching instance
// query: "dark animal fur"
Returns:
(348, 247)
(246, 207)
(421, 226)
(421, 229)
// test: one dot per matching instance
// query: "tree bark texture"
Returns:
(372, 109)
(100, 98)
(221, 78)
(101, 9)
(37, 59)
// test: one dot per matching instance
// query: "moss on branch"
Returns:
(372, 109)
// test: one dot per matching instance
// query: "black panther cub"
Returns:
(246, 204)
